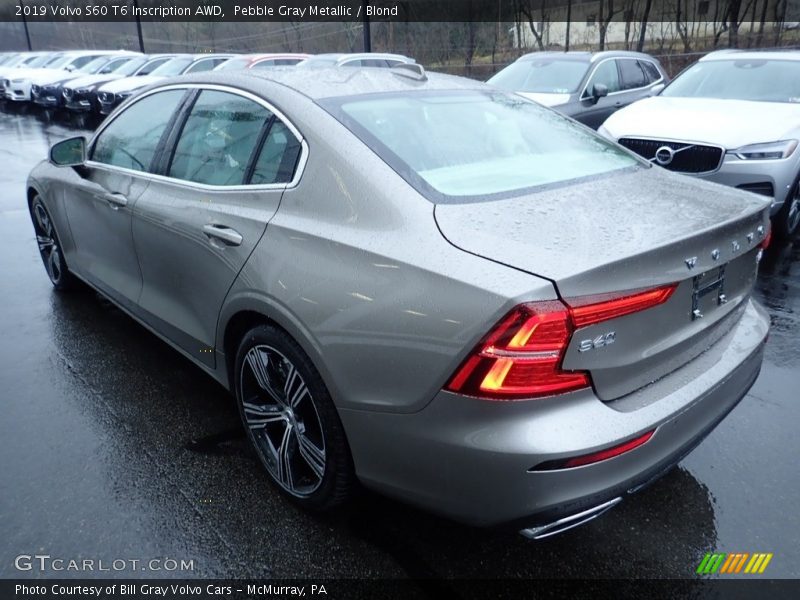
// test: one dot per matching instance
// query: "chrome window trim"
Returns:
(690, 142)
(583, 95)
(301, 162)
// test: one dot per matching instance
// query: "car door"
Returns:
(231, 158)
(595, 111)
(100, 205)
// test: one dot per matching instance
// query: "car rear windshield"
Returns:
(469, 145)
(545, 76)
(760, 80)
(176, 66)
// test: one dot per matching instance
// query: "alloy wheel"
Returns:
(283, 422)
(48, 243)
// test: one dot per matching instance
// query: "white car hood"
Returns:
(33, 74)
(129, 83)
(90, 80)
(727, 123)
(39, 76)
(546, 99)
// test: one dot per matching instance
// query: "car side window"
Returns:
(262, 64)
(277, 159)
(374, 62)
(352, 63)
(606, 74)
(632, 75)
(203, 65)
(131, 139)
(218, 138)
(152, 66)
(652, 72)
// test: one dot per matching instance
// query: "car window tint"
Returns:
(203, 65)
(218, 138)
(352, 63)
(374, 62)
(130, 141)
(278, 157)
(81, 60)
(606, 74)
(650, 70)
(632, 74)
(152, 66)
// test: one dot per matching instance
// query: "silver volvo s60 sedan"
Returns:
(418, 282)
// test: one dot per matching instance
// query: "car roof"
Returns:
(589, 57)
(332, 82)
(752, 55)
(357, 55)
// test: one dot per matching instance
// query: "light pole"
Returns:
(25, 25)
(138, 25)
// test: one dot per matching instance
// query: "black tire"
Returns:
(787, 221)
(50, 247)
(291, 420)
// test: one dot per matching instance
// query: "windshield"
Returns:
(61, 62)
(114, 66)
(233, 64)
(37, 61)
(175, 66)
(475, 144)
(546, 75)
(130, 67)
(93, 66)
(760, 80)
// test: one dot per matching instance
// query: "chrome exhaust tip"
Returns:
(566, 523)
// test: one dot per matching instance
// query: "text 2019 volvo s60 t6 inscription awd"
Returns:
(444, 291)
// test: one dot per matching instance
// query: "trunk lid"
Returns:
(622, 232)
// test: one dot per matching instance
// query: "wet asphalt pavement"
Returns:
(114, 446)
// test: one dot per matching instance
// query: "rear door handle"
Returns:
(115, 200)
(228, 236)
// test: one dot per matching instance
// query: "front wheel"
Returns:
(787, 220)
(50, 248)
(291, 420)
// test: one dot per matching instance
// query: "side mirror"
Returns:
(599, 91)
(69, 153)
(657, 89)
(70, 68)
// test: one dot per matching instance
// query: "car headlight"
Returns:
(768, 151)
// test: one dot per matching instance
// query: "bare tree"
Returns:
(537, 31)
(607, 14)
(643, 25)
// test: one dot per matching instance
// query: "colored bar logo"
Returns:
(741, 562)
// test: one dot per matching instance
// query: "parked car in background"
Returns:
(261, 61)
(18, 89)
(80, 95)
(112, 94)
(587, 86)
(29, 60)
(732, 117)
(47, 92)
(420, 282)
(363, 59)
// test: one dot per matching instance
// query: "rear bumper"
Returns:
(475, 461)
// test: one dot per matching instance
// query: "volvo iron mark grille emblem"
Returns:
(666, 154)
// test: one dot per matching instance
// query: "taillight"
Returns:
(593, 310)
(522, 356)
(767, 238)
